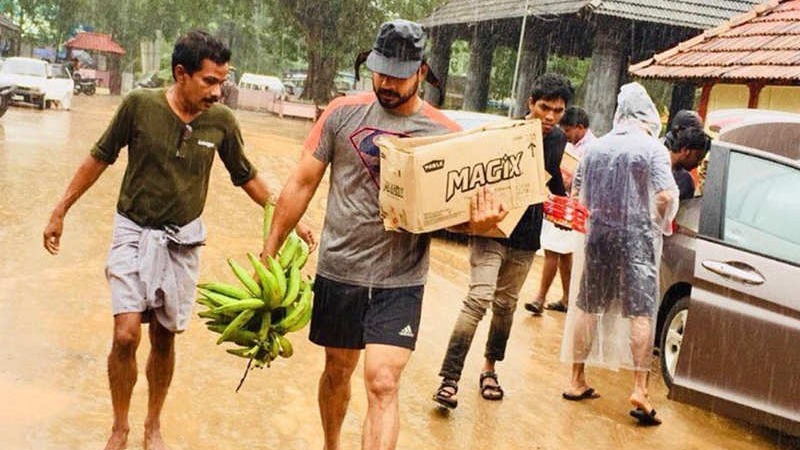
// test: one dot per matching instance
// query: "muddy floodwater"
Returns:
(55, 330)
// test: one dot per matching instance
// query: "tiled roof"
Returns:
(699, 14)
(469, 11)
(762, 44)
(88, 40)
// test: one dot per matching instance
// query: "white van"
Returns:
(261, 83)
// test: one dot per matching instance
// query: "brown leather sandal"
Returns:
(444, 396)
(491, 391)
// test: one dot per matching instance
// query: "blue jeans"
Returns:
(496, 277)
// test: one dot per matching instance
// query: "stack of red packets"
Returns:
(566, 212)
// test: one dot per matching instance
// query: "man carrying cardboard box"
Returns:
(369, 283)
(500, 266)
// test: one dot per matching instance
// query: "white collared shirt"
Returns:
(579, 149)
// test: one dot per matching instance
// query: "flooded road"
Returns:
(55, 331)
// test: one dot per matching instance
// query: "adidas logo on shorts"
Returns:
(406, 332)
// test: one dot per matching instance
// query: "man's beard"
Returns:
(391, 99)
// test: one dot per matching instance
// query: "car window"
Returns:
(762, 207)
(24, 67)
(468, 119)
(58, 71)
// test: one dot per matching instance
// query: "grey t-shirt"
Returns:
(354, 246)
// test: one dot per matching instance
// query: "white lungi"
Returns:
(155, 270)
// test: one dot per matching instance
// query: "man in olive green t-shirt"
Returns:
(171, 135)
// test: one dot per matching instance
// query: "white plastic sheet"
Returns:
(626, 182)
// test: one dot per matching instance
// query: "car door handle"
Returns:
(737, 271)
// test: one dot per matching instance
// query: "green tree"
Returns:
(43, 22)
(504, 61)
(409, 9)
(333, 31)
(266, 36)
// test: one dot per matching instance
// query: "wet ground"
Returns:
(55, 330)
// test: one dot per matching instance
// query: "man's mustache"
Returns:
(212, 99)
(388, 92)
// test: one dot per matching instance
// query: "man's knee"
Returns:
(382, 381)
(339, 365)
(162, 341)
(504, 306)
(126, 340)
(477, 302)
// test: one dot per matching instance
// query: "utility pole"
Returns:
(519, 56)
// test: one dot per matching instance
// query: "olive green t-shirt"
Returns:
(169, 164)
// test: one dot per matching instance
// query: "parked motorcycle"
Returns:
(83, 85)
(149, 81)
(5, 97)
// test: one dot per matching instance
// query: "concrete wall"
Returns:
(778, 98)
(726, 96)
(268, 101)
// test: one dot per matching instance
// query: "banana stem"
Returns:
(244, 376)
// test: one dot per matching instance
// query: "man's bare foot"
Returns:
(153, 440)
(641, 400)
(118, 440)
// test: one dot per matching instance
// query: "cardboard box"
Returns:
(427, 182)
(569, 162)
(506, 226)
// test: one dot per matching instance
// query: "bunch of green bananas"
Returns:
(257, 315)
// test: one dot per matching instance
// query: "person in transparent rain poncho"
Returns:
(626, 183)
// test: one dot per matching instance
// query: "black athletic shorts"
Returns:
(349, 316)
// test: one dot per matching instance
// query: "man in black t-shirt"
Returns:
(687, 151)
(500, 266)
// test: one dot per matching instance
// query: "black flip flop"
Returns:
(646, 419)
(491, 391)
(444, 397)
(556, 306)
(535, 308)
(589, 393)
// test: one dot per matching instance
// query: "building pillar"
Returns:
(682, 98)
(115, 77)
(755, 93)
(439, 62)
(609, 63)
(481, 47)
(705, 97)
(533, 62)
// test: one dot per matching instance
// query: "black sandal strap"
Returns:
(448, 383)
(492, 387)
(489, 374)
(491, 391)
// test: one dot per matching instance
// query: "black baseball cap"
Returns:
(686, 118)
(399, 49)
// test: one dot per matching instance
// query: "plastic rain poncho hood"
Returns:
(626, 183)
